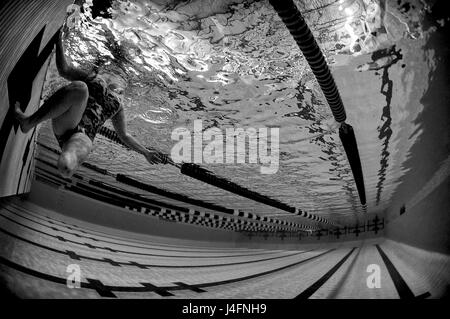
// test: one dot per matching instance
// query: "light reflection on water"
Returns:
(236, 65)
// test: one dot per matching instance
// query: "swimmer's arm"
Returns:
(65, 69)
(119, 124)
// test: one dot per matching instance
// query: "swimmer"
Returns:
(78, 111)
(383, 59)
(379, 64)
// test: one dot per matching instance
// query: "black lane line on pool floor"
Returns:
(400, 284)
(120, 244)
(116, 250)
(344, 278)
(102, 235)
(75, 256)
(108, 291)
(308, 292)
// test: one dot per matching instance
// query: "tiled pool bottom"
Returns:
(38, 246)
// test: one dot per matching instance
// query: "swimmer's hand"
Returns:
(156, 158)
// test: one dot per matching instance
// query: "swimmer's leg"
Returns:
(65, 107)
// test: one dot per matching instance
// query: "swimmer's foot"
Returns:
(21, 118)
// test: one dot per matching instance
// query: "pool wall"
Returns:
(27, 29)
